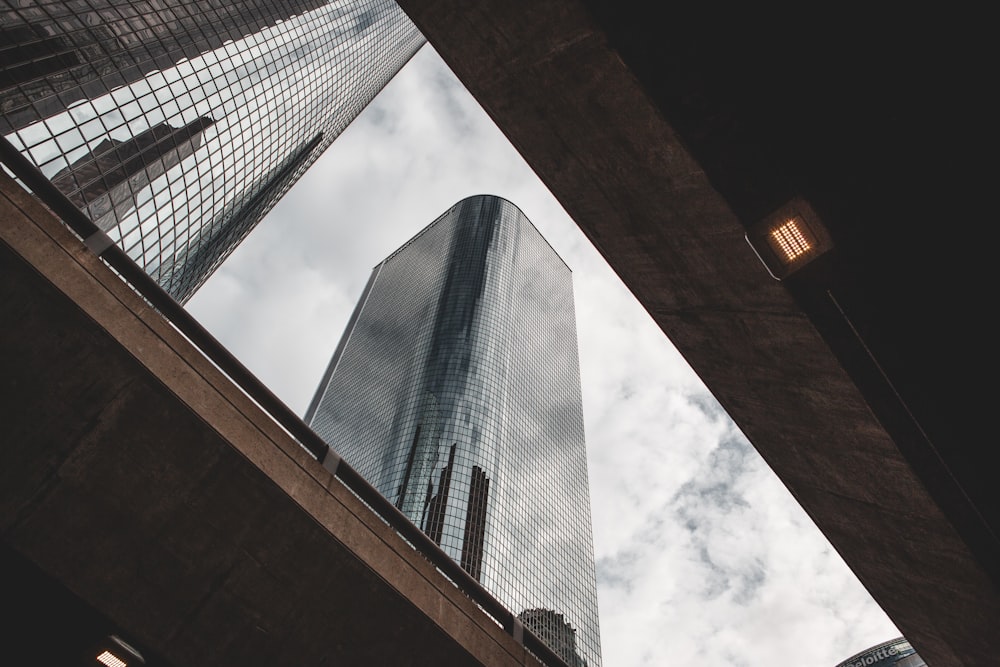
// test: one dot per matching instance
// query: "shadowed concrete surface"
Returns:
(142, 493)
(667, 133)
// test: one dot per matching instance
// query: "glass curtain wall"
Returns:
(177, 125)
(455, 391)
(893, 653)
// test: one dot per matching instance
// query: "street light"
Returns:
(115, 652)
(789, 238)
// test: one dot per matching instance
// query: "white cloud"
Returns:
(703, 556)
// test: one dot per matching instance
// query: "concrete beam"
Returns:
(138, 478)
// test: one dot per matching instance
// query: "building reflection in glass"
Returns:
(176, 126)
(103, 182)
(455, 390)
(551, 627)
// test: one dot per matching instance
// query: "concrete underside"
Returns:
(666, 133)
(142, 493)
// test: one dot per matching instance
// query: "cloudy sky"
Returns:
(703, 558)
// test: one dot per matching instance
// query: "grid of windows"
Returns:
(455, 391)
(176, 125)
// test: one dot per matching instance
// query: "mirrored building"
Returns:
(893, 653)
(175, 125)
(455, 390)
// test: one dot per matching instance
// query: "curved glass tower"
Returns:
(893, 653)
(455, 391)
(175, 126)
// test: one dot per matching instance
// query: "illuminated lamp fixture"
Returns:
(114, 652)
(789, 238)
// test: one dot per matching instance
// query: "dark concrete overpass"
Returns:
(667, 133)
(142, 493)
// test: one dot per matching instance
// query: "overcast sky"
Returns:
(703, 558)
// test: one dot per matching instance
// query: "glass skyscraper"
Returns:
(177, 125)
(455, 390)
(894, 653)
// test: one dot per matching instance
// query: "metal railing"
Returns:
(115, 257)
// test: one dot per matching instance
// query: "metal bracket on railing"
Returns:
(331, 461)
(98, 242)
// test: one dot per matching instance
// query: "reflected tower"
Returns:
(455, 390)
(103, 182)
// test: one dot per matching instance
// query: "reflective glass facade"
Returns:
(894, 653)
(455, 391)
(176, 125)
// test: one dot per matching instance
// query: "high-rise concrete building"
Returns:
(455, 390)
(176, 126)
(893, 653)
